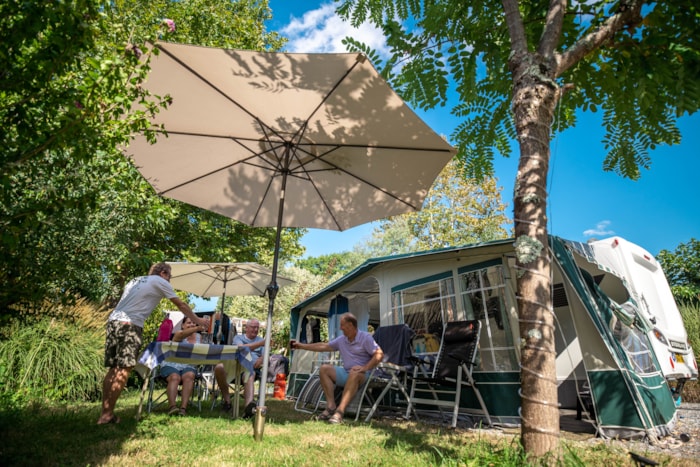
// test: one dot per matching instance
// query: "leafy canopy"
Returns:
(76, 218)
(455, 51)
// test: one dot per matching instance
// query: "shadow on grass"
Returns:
(68, 435)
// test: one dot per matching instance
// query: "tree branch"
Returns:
(629, 14)
(552, 28)
(516, 30)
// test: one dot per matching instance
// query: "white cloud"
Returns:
(321, 30)
(600, 229)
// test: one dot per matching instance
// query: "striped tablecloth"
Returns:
(196, 354)
(235, 359)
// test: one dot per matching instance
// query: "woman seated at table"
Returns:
(181, 373)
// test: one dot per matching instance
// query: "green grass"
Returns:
(67, 435)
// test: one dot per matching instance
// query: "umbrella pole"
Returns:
(272, 289)
(261, 411)
(221, 313)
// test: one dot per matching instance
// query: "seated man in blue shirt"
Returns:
(360, 354)
(255, 344)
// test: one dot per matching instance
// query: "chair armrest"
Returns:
(423, 360)
(388, 366)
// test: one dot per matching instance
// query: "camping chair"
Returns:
(453, 370)
(311, 396)
(157, 382)
(395, 342)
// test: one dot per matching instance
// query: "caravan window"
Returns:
(636, 345)
(483, 298)
(425, 305)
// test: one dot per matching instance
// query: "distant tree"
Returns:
(305, 284)
(331, 264)
(457, 211)
(521, 70)
(682, 268)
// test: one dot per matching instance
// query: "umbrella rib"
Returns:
(358, 59)
(215, 88)
(246, 160)
(356, 177)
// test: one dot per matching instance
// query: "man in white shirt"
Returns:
(125, 329)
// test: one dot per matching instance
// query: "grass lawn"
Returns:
(68, 435)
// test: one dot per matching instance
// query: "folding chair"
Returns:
(395, 342)
(311, 396)
(453, 370)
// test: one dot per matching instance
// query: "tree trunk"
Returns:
(534, 100)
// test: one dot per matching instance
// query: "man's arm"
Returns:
(315, 347)
(185, 308)
(376, 359)
(251, 346)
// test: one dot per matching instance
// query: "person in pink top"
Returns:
(360, 354)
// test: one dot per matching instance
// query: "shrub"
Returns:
(690, 311)
(51, 360)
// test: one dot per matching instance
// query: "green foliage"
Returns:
(76, 218)
(50, 360)
(457, 211)
(642, 80)
(690, 312)
(332, 264)
(682, 269)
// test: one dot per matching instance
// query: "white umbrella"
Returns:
(219, 279)
(286, 140)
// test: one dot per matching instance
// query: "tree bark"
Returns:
(534, 100)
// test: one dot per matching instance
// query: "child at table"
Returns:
(181, 373)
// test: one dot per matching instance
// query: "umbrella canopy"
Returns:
(351, 149)
(285, 140)
(221, 279)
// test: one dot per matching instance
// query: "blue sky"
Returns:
(659, 211)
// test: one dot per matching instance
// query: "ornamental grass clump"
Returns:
(52, 359)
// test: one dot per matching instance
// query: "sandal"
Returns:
(326, 414)
(173, 410)
(183, 411)
(336, 418)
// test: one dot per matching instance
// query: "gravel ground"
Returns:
(685, 440)
(682, 444)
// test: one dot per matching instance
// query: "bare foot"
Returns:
(105, 421)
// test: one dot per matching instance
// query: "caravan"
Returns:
(605, 360)
(647, 287)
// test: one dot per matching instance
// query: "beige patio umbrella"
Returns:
(219, 279)
(285, 140)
